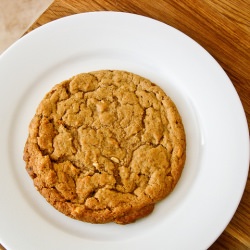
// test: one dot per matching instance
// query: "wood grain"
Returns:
(222, 27)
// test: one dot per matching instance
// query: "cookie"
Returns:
(105, 146)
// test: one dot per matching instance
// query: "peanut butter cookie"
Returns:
(105, 146)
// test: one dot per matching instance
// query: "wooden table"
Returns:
(222, 27)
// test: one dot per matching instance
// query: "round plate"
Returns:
(206, 197)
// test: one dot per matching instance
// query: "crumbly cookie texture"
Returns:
(105, 146)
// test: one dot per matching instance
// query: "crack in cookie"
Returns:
(105, 146)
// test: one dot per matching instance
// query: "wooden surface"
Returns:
(222, 27)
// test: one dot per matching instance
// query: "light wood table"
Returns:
(222, 27)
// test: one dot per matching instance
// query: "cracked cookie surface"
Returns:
(105, 146)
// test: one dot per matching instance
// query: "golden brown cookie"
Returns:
(105, 146)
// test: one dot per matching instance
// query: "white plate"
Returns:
(211, 186)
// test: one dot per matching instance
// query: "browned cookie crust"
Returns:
(105, 146)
